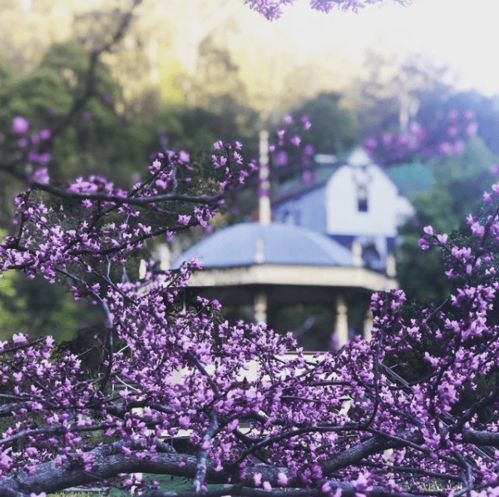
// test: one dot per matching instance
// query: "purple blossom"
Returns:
(281, 159)
(19, 125)
(45, 134)
(183, 156)
(272, 9)
(41, 176)
(184, 219)
(306, 123)
(471, 129)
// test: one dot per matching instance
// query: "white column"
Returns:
(368, 324)
(341, 328)
(264, 208)
(164, 256)
(356, 253)
(391, 266)
(259, 252)
(260, 306)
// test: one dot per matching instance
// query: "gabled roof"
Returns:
(410, 179)
(295, 187)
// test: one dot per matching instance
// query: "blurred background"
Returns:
(403, 103)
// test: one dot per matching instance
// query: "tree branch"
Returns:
(109, 461)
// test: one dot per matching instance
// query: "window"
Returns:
(362, 200)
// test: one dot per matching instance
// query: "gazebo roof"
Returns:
(277, 254)
(249, 244)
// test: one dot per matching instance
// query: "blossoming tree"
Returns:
(412, 412)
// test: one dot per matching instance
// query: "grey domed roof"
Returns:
(247, 244)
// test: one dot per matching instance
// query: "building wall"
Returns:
(385, 208)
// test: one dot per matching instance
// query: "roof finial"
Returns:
(259, 251)
(264, 209)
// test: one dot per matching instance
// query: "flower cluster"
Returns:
(32, 145)
(289, 147)
(114, 223)
(182, 392)
(272, 9)
(446, 138)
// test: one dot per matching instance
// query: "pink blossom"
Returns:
(19, 125)
(184, 219)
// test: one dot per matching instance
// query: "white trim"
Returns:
(267, 274)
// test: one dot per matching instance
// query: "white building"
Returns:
(355, 203)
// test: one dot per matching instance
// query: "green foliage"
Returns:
(311, 325)
(333, 127)
(412, 178)
(100, 138)
(105, 137)
(4, 74)
(457, 190)
(197, 128)
(41, 308)
(12, 306)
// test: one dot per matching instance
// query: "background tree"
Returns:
(47, 94)
(459, 183)
(390, 94)
(334, 130)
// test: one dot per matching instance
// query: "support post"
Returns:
(368, 324)
(391, 266)
(260, 307)
(341, 328)
(356, 254)
(264, 207)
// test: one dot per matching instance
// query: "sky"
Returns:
(297, 56)
(462, 34)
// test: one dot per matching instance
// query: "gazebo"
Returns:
(270, 265)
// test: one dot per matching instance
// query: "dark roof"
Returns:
(295, 186)
(411, 178)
